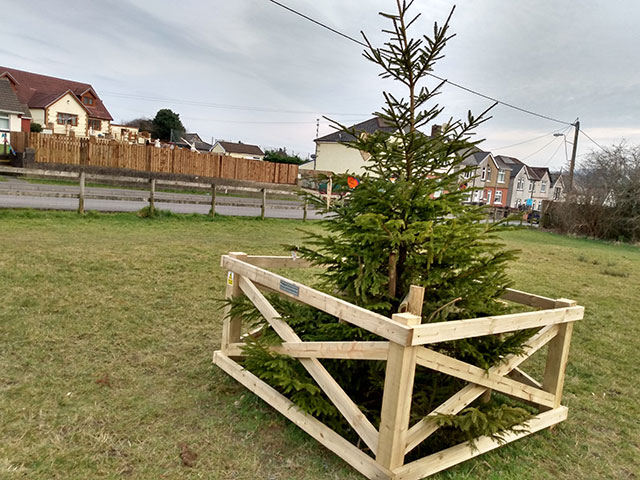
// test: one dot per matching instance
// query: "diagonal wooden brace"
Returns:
(336, 394)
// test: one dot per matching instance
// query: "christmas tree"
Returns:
(406, 223)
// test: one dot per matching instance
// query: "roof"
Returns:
(375, 124)
(39, 91)
(508, 163)
(537, 172)
(9, 102)
(194, 139)
(475, 158)
(509, 160)
(231, 147)
(515, 169)
(554, 177)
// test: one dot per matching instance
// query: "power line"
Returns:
(585, 134)
(554, 154)
(539, 150)
(530, 140)
(457, 85)
(348, 37)
(500, 102)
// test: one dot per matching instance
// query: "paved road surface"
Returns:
(15, 193)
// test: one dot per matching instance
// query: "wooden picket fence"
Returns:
(110, 153)
(406, 346)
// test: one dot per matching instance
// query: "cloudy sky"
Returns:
(249, 70)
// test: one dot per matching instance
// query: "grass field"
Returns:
(108, 323)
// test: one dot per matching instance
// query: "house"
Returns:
(489, 178)
(558, 188)
(238, 150)
(62, 106)
(193, 141)
(14, 116)
(124, 133)
(332, 156)
(542, 190)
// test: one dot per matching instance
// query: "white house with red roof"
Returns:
(63, 106)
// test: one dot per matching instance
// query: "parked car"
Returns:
(533, 217)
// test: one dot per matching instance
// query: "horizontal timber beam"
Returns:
(344, 350)
(316, 429)
(529, 299)
(478, 327)
(452, 456)
(272, 261)
(361, 317)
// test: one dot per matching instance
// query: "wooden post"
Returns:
(213, 200)
(557, 357)
(232, 327)
(81, 193)
(396, 399)
(152, 196)
(304, 209)
(264, 203)
(329, 190)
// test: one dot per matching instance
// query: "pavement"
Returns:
(18, 193)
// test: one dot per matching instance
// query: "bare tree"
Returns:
(606, 198)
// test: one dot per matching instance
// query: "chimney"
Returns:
(436, 130)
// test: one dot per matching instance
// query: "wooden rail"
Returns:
(153, 183)
(405, 346)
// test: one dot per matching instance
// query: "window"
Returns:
(520, 185)
(87, 100)
(484, 174)
(543, 187)
(467, 174)
(501, 175)
(95, 124)
(4, 122)
(488, 196)
(67, 119)
(532, 187)
(557, 193)
(476, 195)
(498, 197)
(489, 173)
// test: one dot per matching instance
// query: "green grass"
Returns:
(108, 323)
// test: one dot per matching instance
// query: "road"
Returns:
(16, 193)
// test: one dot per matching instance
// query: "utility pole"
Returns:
(572, 166)
(315, 157)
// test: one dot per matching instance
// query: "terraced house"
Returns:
(490, 179)
(61, 106)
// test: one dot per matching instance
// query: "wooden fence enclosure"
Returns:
(405, 346)
(148, 158)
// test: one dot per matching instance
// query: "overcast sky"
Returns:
(248, 70)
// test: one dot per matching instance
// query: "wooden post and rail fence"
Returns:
(405, 345)
(82, 177)
(148, 158)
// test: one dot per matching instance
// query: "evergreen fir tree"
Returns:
(405, 224)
